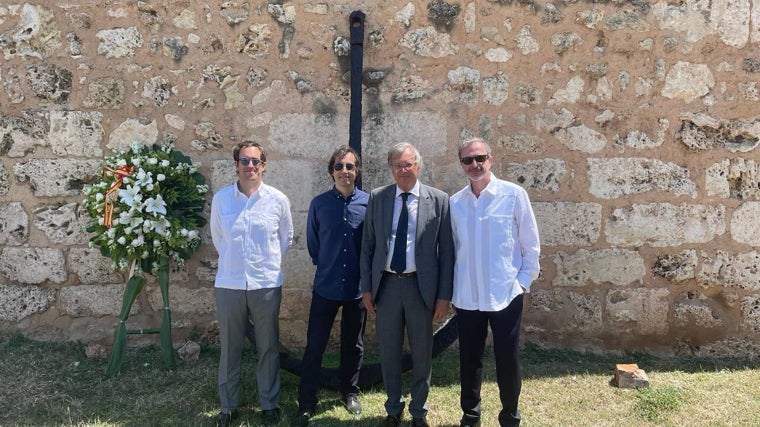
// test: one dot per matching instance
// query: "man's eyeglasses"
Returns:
(468, 160)
(402, 166)
(337, 167)
(246, 160)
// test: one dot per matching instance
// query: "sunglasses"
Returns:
(339, 167)
(245, 161)
(468, 160)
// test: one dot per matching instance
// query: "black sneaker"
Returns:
(303, 419)
(351, 402)
(224, 419)
(271, 416)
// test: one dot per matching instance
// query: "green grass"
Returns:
(54, 384)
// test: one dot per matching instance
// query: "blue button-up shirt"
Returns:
(334, 237)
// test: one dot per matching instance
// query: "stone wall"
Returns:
(632, 124)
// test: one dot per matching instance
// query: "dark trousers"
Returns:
(473, 330)
(321, 318)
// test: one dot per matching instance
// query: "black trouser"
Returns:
(321, 318)
(473, 330)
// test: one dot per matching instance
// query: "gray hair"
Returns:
(397, 149)
(469, 141)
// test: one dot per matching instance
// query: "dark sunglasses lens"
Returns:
(339, 166)
(466, 160)
(245, 161)
(480, 159)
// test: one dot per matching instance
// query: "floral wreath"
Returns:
(146, 207)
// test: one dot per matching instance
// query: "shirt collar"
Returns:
(415, 191)
(490, 188)
(334, 191)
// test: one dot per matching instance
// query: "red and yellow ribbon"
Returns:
(120, 173)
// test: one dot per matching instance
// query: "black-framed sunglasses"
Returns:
(337, 167)
(246, 160)
(468, 160)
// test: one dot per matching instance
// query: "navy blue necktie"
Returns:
(398, 262)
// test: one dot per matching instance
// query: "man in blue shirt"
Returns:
(333, 235)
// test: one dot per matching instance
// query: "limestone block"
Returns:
(21, 135)
(185, 20)
(4, 183)
(527, 95)
(206, 270)
(750, 310)
(568, 223)
(119, 42)
(50, 82)
(94, 300)
(700, 132)
(745, 223)
(620, 267)
(731, 20)
(35, 35)
(498, 54)
(590, 17)
(298, 268)
(549, 121)
(76, 133)
(627, 18)
(222, 174)
(232, 14)
(464, 83)
(14, 224)
(733, 347)
(676, 267)
(567, 312)
(611, 178)
(496, 89)
(410, 88)
(581, 138)
(520, 142)
(570, 94)
(91, 267)
(57, 177)
(255, 42)
(18, 302)
(643, 311)
(562, 42)
(526, 42)
(428, 42)
(158, 89)
(689, 19)
(665, 224)
(694, 309)
(724, 269)
(283, 14)
(105, 93)
(184, 300)
(734, 178)
(63, 224)
(541, 175)
(93, 329)
(688, 82)
(141, 132)
(33, 265)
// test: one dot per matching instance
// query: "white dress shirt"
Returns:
(412, 203)
(251, 235)
(497, 245)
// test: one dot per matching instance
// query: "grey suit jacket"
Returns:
(434, 248)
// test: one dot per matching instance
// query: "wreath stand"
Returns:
(132, 290)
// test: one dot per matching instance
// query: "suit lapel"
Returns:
(388, 199)
(423, 210)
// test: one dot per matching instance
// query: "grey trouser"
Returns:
(233, 308)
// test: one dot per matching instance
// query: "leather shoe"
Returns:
(469, 422)
(391, 421)
(420, 422)
(303, 419)
(351, 402)
(224, 419)
(271, 416)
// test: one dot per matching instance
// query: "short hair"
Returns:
(469, 141)
(397, 149)
(248, 143)
(341, 152)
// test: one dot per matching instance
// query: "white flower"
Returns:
(131, 195)
(139, 241)
(161, 177)
(122, 240)
(99, 196)
(193, 234)
(155, 205)
(152, 161)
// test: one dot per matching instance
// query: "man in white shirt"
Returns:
(252, 228)
(497, 250)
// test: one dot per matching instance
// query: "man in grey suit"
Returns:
(407, 267)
